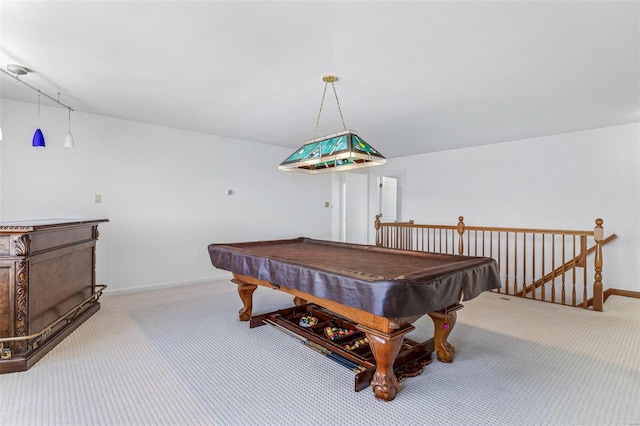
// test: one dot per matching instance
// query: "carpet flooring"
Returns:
(179, 356)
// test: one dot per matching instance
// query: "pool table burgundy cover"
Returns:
(385, 282)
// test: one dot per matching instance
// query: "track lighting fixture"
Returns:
(15, 71)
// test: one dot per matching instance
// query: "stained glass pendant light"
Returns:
(38, 137)
(340, 151)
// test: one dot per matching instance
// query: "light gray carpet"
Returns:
(180, 356)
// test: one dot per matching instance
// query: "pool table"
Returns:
(382, 290)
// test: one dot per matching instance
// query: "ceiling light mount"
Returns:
(329, 78)
(18, 69)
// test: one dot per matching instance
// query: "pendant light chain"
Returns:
(338, 102)
(320, 112)
(324, 92)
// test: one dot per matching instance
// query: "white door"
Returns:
(388, 198)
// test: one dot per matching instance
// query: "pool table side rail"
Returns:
(419, 294)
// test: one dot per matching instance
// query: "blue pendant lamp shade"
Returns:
(38, 139)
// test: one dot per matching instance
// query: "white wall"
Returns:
(163, 191)
(162, 188)
(562, 181)
(350, 195)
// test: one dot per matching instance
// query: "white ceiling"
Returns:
(415, 77)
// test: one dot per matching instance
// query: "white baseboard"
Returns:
(119, 291)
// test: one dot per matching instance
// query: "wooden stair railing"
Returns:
(527, 257)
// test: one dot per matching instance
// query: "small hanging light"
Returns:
(38, 137)
(68, 141)
(340, 151)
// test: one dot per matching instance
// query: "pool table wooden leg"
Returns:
(442, 326)
(246, 295)
(385, 348)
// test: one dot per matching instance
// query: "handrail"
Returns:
(69, 316)
(577, 261)
(528, 258)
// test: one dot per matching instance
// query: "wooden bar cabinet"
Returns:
(47, 286)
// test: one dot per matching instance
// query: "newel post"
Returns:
(460, 233)
(598, 234)
(377, 226)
